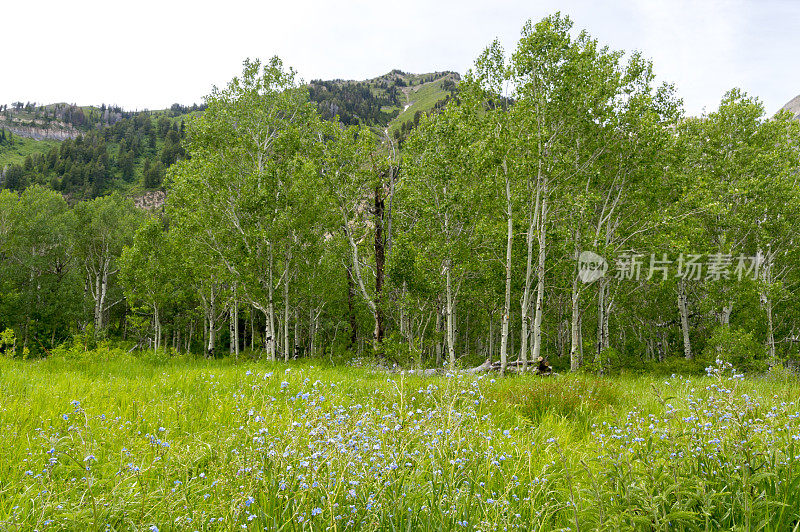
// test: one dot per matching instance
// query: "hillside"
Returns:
(85, 152)
(15, 148)
(391, 101)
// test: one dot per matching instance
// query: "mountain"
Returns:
(393, 101)
(85, 152)
(793, 107)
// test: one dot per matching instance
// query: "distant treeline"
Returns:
(134, 150)
(355, 103)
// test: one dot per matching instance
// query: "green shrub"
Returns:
(8, 343)
(676, 366)
(737, 347)
(567, 397)
(397, 351)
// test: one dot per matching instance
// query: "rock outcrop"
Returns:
(37, 132)
(151, 200)
(793, 107)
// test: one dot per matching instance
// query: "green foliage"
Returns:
(116, 154)
(675, 366)
(39, 286)
(737, 347)
(8, 343)
(574, 398)
(15, 149)
(84, 345)
(278, 223)
(353, 103)
(397, 351)
(526, 453)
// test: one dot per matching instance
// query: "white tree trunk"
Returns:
(96, 296)
(271, 338)
(601, 319)
(286, 316)
(683, 308)
(575, 351)
(236, 327)
(606, 319)
(507, 302)
(157, 327)
(251, 311)
(766, 301)
(311, 332)
(212, 310)
(296, 333)
(189, 336)
(451, 350)
(231, 335)
(526, 291)
(438, 333)
(539, 312)
(491, 335)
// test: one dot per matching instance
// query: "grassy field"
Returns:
(121, 442)
(20, 147)
(421, 98)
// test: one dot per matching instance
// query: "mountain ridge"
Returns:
(88, 151)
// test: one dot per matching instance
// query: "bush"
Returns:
(676, 366)
(397, 351)
(8, 343)
(737, 347)
(568, 397)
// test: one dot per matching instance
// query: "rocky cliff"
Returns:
(793, 107)
(40, 131)
(150, 201)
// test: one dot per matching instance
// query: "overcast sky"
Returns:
(152, 53)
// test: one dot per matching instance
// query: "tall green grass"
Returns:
(120, 442)
(19, 148)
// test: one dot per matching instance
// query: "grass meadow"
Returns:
(21, 147)
(112, 441)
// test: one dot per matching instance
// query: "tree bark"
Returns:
(286, 315)
(380, 262)
(271, 336)
(683, 308)
(575, 358)
(211, 327)
(576, 347)
(451, 350)
(507, 302)
(189, 334)
(438, 332)
(601, 318)
(491, 335)
(766, 301)
(231, 334)
(526, 292)
(157, 324)
(296, 346)
(236, 326)
(540, 271)
(351, 310)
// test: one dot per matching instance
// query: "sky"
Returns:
(150, 54)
